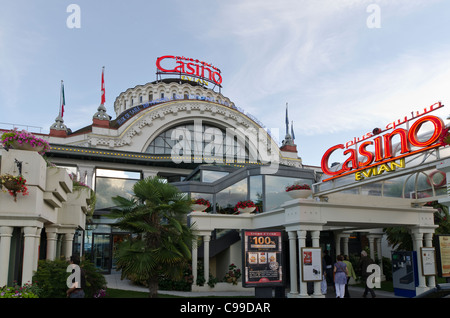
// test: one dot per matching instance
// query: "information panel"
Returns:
(262, 259)
(311, 264)
(443, 255)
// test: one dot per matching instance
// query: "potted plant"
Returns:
(14, 185)
(299, 191)
(24, 140)
(200, 205)
(233, 274)
(245, 206)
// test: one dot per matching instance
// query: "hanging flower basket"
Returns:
(14, 185)
(23, 140)
(299, 191)
(200, 205)
(245, 207)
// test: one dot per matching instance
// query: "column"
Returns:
(315, 236)
(380, 257)
(206, 239)
(5, 248)
(417, 243)
(36, 248)
(149, 173)
(293, 263)
(29, 234)
(301, 236)
(51, 242)
(428, 241)
(346, 239)
(371, 246)
(68, 243)
(337, 238)
(194, 260)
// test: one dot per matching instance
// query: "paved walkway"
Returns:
(114, 282)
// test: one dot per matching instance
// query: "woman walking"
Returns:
(340, 273)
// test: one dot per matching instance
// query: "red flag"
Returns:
(62, 101)
(103, 87)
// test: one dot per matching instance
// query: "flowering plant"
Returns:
(201, 201)
(245, 204)
(445, 136)
(232, 275)
(298, 187)
(101, 293)
(14, 185)
(23, 137)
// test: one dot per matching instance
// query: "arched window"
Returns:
(207, 140)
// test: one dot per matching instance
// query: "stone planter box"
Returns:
(57, 187)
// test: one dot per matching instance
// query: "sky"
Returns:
(343, 66)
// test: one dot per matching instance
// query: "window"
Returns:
(229, 197)
(276, 190)
(111, 183)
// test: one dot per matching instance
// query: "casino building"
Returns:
(183, 129)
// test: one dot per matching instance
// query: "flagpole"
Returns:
(61, 100)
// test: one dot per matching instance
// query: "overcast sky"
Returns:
(343, 66)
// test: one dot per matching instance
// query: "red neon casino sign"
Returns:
(190, 67)
(361, 158)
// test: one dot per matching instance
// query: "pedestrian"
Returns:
(351, 274)
(340, 273)
(364, 262)
(76, 290)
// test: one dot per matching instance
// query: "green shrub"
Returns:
(51, 277)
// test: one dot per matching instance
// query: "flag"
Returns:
(292, 130)
(287, 120)
(62, 101)
(103, 87)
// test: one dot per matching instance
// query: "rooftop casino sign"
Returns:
(373, 153)
(184, 66)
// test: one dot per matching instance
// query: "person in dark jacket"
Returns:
(364, 262)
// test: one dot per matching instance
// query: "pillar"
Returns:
(301, 236)
(51, 242)
(68, 243)
(293, 263)
(417, 237)
(194, 260)
(428, 241)
(86, 174)
(29, 233)
(36, 248)
(315, 236)
(371, 246)
(206, 239)
(5, 248)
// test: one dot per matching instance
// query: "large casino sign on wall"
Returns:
(184, 66)
(373, 154)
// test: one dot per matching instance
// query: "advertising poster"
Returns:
(311, 264)
(443, 255)
(262, 259)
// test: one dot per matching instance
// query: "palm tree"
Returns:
(156, 214)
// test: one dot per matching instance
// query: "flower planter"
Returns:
(12, 185)
(246, 210)
(198, 207)
(299, 194)
(26, 146)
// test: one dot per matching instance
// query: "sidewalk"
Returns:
(113, 281)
